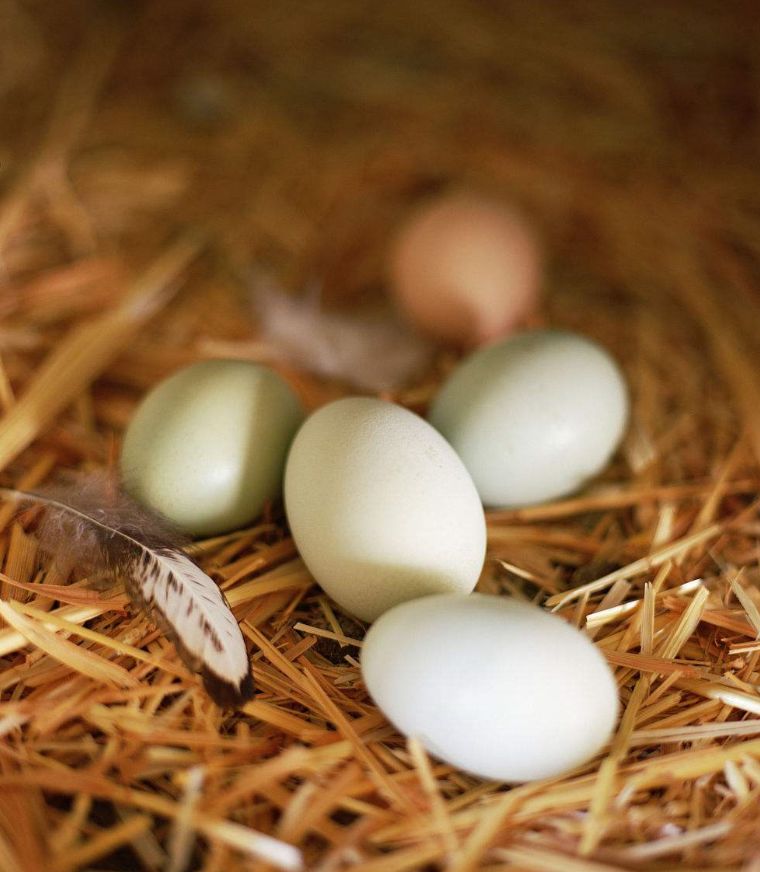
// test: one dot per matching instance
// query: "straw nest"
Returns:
(153, 156)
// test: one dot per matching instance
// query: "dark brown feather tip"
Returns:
(226, 694)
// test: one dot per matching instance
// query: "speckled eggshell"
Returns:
(496, 687)
(381, 508)
(207, 446)
(533, 417)
(465, 269)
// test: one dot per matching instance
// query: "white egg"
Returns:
(381, 508)
(534, 417)
(491, 685)
(206, 447)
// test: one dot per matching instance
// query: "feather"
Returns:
(92, 522)
(369, 347)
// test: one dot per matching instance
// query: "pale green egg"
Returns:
(206, 447)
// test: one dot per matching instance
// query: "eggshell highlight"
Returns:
(496, 687)
(533, 417)
(381, 508)
(206, 447)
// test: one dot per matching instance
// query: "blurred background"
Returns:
(298, 131)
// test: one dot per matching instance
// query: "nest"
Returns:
(154, 156)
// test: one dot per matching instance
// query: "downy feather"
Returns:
(92, 522)
(368, 346)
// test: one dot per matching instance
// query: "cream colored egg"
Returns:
(533, 417)
(207, 446)
(465, 269)
(381, 508)
(496, 687)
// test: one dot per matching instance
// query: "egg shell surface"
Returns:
(381, 508)
(206, 447)
(533, 417)
(465, 268)
(496, 687)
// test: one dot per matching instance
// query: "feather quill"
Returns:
(92, 522)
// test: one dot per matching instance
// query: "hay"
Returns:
(291, 138)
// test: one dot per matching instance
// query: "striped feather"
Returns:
(139, 548)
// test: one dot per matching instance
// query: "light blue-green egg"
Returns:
(534, 417)
(206, 448)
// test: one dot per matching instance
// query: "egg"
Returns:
(465, 269)
(493, 686)
(206, 447)
(380, 507)
(533, 417)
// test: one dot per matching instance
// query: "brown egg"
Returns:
(465, 269)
